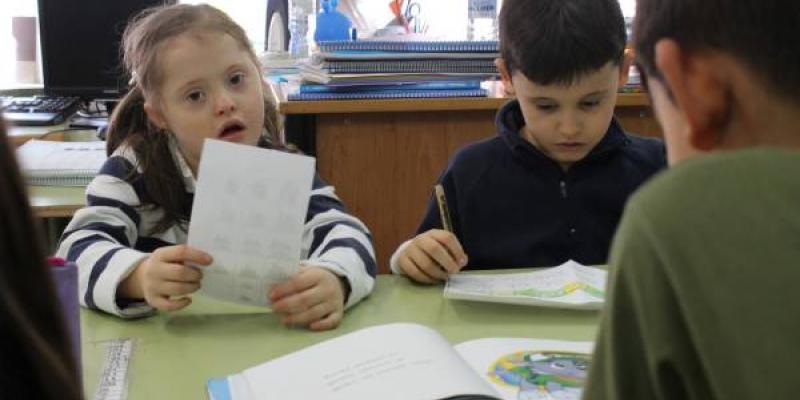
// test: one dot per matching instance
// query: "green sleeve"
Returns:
(643, 349)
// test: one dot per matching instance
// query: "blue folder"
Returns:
(218, 389)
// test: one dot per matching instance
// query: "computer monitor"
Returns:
(80, 45)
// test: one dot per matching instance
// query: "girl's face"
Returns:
(210, 88)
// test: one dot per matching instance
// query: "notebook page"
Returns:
(570, 285)
(391, 362)
(37, 155)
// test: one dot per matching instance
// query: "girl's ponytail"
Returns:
(163, 182)
(127, 119)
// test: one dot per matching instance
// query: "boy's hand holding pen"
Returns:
(434, 254)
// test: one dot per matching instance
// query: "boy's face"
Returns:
(566, 122)
(210, 88)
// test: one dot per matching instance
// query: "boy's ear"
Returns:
(625, 67)
(155, 116)
(699, 88)
(505, 75)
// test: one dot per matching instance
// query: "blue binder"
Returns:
(434, 46)
(382, 86)
(387, 94)
(218, 389)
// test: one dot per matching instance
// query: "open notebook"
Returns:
(48, 163)
(414, 362)
(569, 285)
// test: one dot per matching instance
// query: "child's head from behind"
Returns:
(198, 76)
(563, 60)
(715, 65)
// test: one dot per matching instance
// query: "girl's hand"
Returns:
(165, 278)
(313, 298)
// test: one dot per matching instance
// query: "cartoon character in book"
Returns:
(542, 375)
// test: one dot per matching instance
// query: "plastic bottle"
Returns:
(331, 24)
(300, 12)
(481, 19)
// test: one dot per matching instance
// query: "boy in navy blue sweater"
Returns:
(551, 186)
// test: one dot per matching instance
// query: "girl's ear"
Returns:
(155, 116)
(505, 75)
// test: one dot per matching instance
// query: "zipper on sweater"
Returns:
(563, 185)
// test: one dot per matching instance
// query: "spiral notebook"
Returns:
(399, 55)
(389, 85)
(388, 94)
(317, 75)
(434, 46)
(406, 66)
(48, 163)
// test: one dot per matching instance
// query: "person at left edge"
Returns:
(36, 360)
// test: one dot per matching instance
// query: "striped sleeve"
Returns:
(101, 236)
(339, 242)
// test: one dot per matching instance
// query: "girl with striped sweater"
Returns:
(195, 76)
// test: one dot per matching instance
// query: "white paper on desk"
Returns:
(249, 209)
(44, 155)
(570, 285)
(393, 361)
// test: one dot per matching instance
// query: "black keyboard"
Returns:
(38, 110)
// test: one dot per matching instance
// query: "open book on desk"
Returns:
(569, 285)
(414, 362)
(48, 163)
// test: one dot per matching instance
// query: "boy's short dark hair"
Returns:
(761, 33)
(558, 41)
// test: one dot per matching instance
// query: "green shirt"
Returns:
(704, 292)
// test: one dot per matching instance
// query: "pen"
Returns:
(444, 212)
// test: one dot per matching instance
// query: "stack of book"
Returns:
(634, 84)
(397, 69)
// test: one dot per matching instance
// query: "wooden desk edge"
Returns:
(19, 139)
(55, 211)
(56, 201)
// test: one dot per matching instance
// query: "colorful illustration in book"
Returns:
(560, 291)
(541, 375)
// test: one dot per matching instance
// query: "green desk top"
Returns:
(56, 201)
(176, 353)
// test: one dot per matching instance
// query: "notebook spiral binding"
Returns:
(411, 46)
(411, 94)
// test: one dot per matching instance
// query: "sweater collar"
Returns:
(509, 121)
(189, 180)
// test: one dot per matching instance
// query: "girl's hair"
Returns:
(37, 360)
(129, 124)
